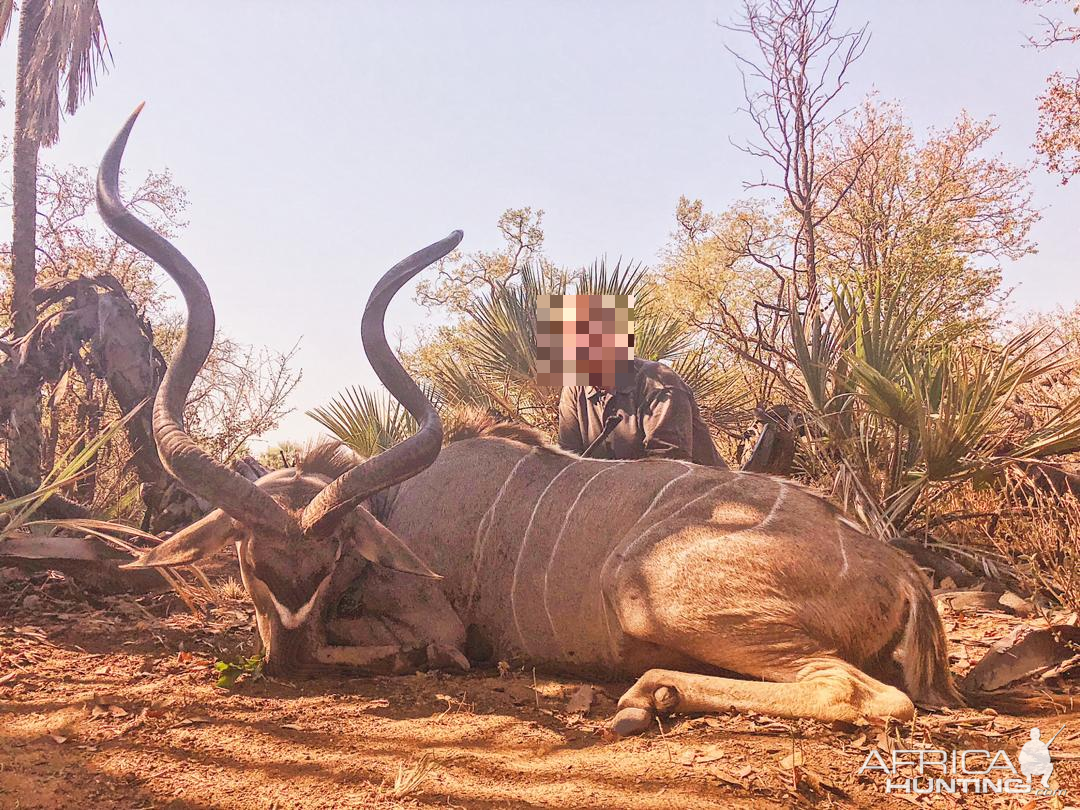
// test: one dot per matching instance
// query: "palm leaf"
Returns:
(68, 469)
(69, 49)
(458, 386)
(629, 279)
(503, 332)
(364, 421)
(661, 338)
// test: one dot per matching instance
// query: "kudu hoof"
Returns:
(630, 720)
(666, 699)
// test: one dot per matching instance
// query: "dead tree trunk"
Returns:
(91, 327)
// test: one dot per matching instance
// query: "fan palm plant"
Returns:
(366, 421)
(493, 367)
(499, 359)
(901, 413)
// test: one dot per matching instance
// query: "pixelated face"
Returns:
(584, 340)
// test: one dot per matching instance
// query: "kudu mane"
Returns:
(327, 458)
(471, 423)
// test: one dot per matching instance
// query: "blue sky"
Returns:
(320, 142)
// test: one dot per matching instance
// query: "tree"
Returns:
(1057, 139)
(460, 277)
(712, 278)
(935, 215)
(938, 216)
(791, 87)
(61, 45)
(102, 327)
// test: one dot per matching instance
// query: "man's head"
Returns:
(584, 340)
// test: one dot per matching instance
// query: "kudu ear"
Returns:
(201, 539)
(376, 543)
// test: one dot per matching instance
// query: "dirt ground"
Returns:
(112, 702)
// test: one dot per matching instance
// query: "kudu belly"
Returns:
(528, 539)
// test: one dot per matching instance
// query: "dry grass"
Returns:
(231, 590)
(1034, 530)
(411, 776)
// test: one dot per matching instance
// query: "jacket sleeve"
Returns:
(570, 437)
(668, 424)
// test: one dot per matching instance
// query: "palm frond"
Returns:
(69, 49)
(628, 279)
(458, 386)
(721, 394)
(962, 394)
(661, 338)
(365, 421)
(7, 9)
(1059, 435)
(503, 332)
(69, 468)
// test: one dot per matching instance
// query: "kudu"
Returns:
(675, 574)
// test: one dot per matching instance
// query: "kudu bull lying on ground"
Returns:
(659, 569)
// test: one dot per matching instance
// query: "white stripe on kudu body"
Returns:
(843, 549)
(648, 510)
(483, 531)
(780, 497)
(521, 551)
(605, 610)
(623, 551)
(558, 538)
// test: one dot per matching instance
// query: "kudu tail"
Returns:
(924, 659)
(922, 651)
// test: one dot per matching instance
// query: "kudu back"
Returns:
(664, 571)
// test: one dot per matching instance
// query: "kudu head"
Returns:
(301, 538)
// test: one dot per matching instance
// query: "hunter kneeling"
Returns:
(613, 405)
(653, 415)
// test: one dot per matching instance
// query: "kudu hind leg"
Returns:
(825, 689)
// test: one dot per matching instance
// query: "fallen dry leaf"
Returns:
(191, 721)
(885, 742)
(729, 778)
(581, 701)
(687, 757)
(710, 754)
(792, 760)
(1028, 652)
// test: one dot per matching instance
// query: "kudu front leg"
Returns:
(826, 690)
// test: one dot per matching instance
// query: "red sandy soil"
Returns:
(111, 702)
